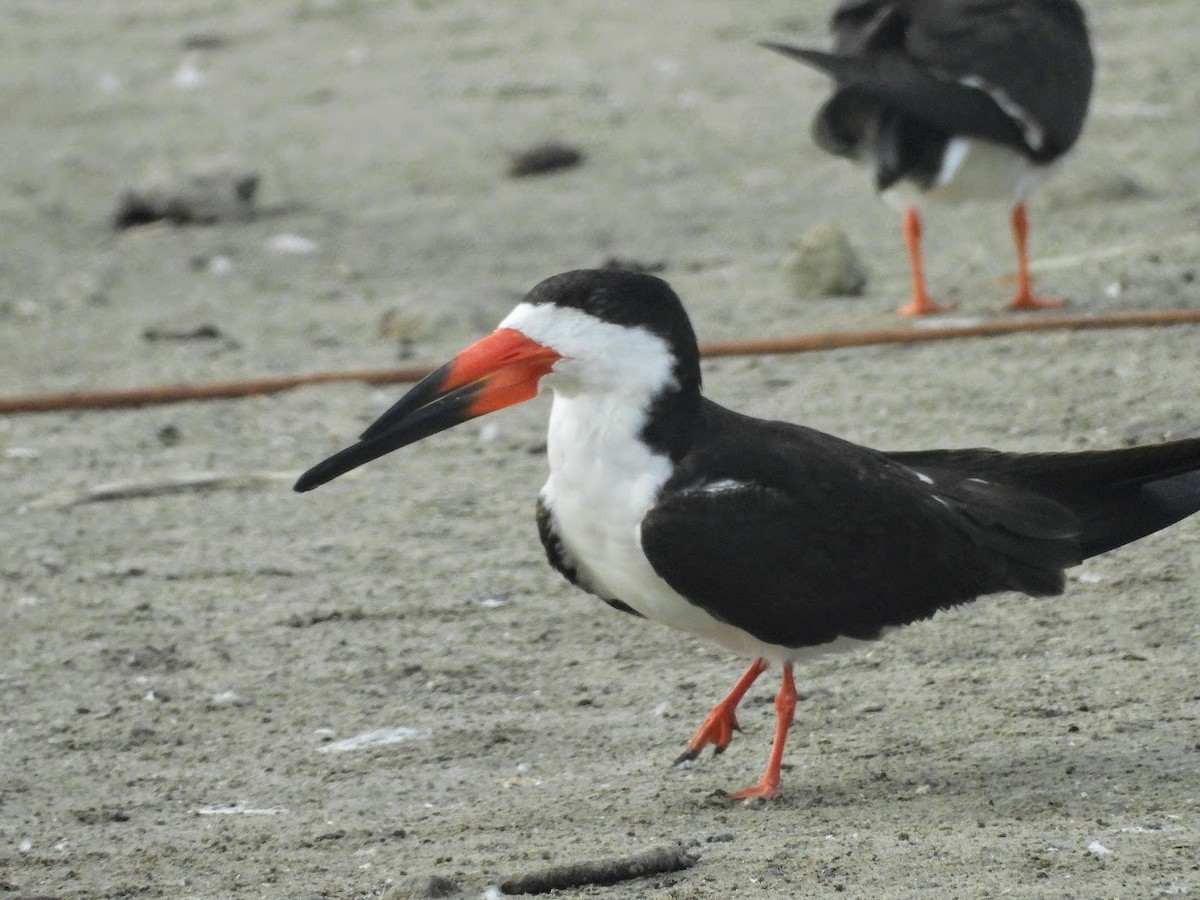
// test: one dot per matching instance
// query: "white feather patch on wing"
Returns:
(1034, 134)
(723, 486)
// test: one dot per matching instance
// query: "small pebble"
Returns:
(1097, 187)
(426, 887)
(204, 332)
(169, 435)
(544, 158)
(294, 244)
(203, 40)
(824, 264)
(648, 267)
(196, 198)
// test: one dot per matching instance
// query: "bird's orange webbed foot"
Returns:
(1024, 297)
(717, 729)
(1026, 300)
(921, 305)
(765, 789)
(720, 724)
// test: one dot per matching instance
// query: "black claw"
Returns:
(686, 756)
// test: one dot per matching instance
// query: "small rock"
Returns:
(204, 332)
(189, 75)
(404, 326)
(627, 264)
(825, 265)
(293, 244)
(1096, 187)
(203, 40)
(169, 435)
(225, 699)
(426, 887)
(541, 159)
(217, 264)
(202, 198)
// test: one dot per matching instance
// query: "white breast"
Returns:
(603, 479)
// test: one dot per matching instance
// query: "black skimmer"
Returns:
(772, 540)
(955, 100)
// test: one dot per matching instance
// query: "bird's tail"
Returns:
(1118, 496)
(952, 105)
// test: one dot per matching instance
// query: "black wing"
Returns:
(1035, 53)
(797, 537)
(1118, 496)
(872, 86)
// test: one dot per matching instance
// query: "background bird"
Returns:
(772, 540)
(949, 100)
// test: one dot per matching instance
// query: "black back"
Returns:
(821, 538)
(900, 66)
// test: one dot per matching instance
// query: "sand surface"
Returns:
(184, 672)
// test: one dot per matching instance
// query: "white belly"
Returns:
(597, 494)
(974, 170)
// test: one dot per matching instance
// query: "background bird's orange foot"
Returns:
(923, 306)
(1028, 301)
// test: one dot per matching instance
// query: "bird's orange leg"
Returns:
(785, 709)
(1024, 298)
(717, 729)
(920, 304)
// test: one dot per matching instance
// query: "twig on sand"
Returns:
(655, 861)
(200, 482)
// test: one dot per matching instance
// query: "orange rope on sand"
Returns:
(213, 390)
(803, 343)
(837, 340)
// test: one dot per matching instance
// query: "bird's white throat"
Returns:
(603, 478)
(598, 357)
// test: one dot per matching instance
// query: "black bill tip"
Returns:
(338, 464)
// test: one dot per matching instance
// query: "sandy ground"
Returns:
(178, 672)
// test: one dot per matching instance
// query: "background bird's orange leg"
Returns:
(920, 304)
(717, 729)
(785, 710)
(1024, 298)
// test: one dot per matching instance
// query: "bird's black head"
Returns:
(631, 300)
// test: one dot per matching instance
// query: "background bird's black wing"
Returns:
(1035, 53)
(1027, 67)
(797, 537)
(894, 82)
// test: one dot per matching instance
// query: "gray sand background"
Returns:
(178, 671)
